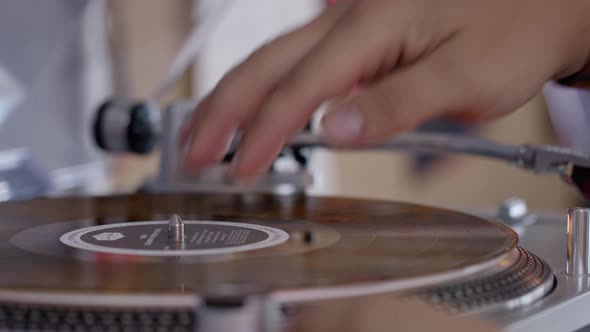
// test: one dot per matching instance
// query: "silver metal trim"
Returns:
(578, 241)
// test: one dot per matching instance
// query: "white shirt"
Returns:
(569, 109)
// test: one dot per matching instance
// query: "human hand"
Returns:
(408, 60)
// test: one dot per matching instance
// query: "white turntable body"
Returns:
(564, 308)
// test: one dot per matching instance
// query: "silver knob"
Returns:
(125, 126)
(176, 229)
(513, 211)
(578, 241)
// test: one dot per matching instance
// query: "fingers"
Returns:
(417, 63)
(465, 78)
(240, 93)
(351, 50)
(429, 88)
(186, 131)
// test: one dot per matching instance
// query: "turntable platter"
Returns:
(120, 244)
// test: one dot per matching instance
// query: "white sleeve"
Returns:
(569, 110)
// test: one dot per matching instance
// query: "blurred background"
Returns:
(65, 57)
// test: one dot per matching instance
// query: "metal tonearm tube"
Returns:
(540, 159)
(127, 127)
(573, 166)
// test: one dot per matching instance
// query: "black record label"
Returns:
(151, 238)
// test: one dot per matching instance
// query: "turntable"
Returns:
(202, 254)
(187, 262)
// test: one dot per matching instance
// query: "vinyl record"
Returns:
(120, 245)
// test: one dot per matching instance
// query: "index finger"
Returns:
(241, 92)
(330, 69)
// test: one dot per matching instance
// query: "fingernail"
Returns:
(240, 180)
(343, 123)
(183, 134)
(185, 150)
(233, 172)
(244, 180)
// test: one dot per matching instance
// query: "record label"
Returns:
(151, 238)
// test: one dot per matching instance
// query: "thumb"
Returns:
(395, 104)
